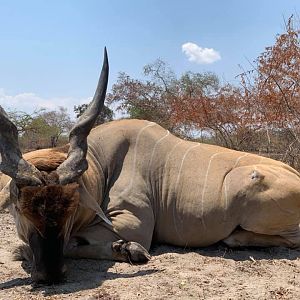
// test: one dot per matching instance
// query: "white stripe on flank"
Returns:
(226, 197)
(171, 152)
(225, 183)
(182, 161)
(155, 146)
(239, 158)
(176, 186)
(150, 124)
(205, 184)
(164, 169)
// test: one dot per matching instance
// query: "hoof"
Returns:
(134, 252)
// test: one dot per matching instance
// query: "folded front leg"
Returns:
(120, 250)
(102, 242)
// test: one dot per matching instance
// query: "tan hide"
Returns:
(196, 194)
(154, 186)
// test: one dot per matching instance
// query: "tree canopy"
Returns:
(106, 114)
(157, 97)
(42, 128)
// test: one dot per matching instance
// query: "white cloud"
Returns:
(29, 102)
(200, 55)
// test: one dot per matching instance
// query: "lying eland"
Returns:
(118, 188)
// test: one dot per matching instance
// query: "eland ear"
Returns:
(8, 195)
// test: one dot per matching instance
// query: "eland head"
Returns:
(45, 200)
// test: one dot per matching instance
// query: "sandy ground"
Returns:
(173, 273)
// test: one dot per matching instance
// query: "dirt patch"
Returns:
(173, 273)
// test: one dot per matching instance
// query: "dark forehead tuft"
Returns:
(48, 206)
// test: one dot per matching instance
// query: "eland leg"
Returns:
(126, 242)
(244, 238)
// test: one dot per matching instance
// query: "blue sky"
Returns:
(51, 51)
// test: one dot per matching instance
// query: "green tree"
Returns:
(158, 97)
(58, 122)
(42, 128)
(106, 114)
